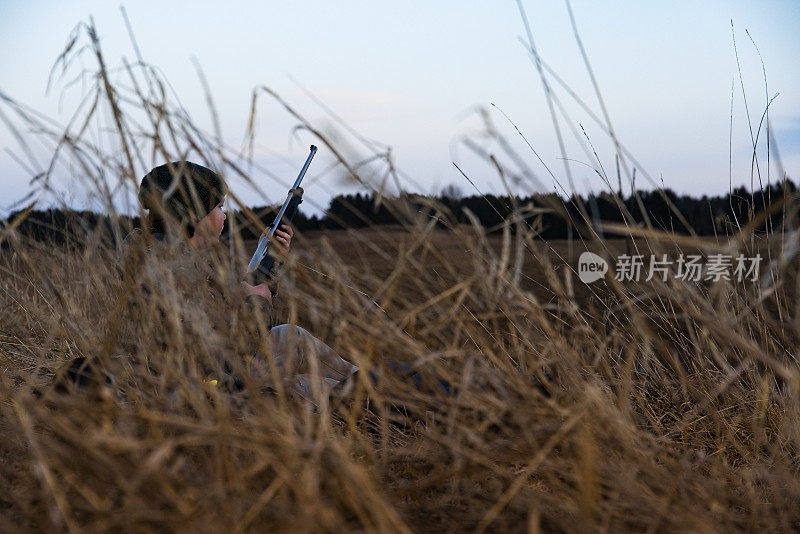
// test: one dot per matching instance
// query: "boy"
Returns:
(181, 265)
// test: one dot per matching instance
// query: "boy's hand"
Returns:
(283, 237)
(260, 290)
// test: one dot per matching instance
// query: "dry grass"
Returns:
(676, 410)
(645, 407)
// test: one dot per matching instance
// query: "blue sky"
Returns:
(410, 73)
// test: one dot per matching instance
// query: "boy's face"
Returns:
(217, 219)
(210, 226)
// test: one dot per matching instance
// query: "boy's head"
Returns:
(180, 193)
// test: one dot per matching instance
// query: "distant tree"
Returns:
(451, 192)
(556, 217)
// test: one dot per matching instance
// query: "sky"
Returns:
(412, 75)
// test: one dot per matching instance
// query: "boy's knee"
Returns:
(284, 331)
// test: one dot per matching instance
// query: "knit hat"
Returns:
(182, 190)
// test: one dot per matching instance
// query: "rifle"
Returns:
(262, 267)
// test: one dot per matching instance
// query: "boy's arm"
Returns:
(261, 297)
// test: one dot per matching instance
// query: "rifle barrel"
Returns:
(261, 249)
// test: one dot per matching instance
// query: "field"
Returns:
(611, 407)
(532, 401)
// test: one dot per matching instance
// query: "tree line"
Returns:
(550, 215)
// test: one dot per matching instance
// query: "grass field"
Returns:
(650, 406)
(654, 406)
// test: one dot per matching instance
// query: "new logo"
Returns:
(591, 267)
